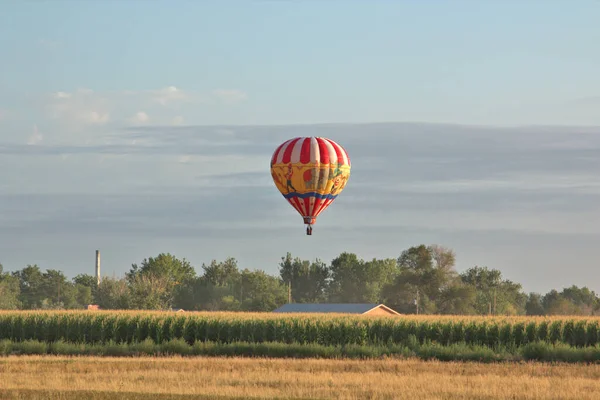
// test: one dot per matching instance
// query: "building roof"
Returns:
(344, 308)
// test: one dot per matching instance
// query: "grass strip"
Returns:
(537, 351)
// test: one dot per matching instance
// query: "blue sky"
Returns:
(509, 62)
(126, 125)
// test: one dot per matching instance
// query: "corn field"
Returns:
(220, 327)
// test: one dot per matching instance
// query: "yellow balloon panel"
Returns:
(316, 179)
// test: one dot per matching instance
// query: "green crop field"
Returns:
(330, 330)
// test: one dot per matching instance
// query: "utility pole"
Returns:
(495, 300)
(289, 292)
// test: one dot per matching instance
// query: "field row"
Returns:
(122, 327)
(269, 316)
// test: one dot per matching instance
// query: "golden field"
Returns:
(49, 377)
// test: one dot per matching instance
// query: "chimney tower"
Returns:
(98, 267)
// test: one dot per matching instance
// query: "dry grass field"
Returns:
(52, 377)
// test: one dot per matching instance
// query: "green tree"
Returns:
(308, 280)
(217, 289)
(9, 291)
(204, 295)
(444, 258)
(83, 295)
(89, 281)
(166, 269)
(556, 304)
(165, 265)
(150, 292)
(534, 305)
(30, 286)
(113, 294)
(58, 292)
(570, 301)
(222, 274)
(457, 299)
(584, 298)
(378, 274)
(355, 281)
(260, 291)
(501, 296)
(427, 278)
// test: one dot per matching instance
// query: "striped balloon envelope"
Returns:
(310, 172)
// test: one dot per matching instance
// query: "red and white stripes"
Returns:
(305, 150)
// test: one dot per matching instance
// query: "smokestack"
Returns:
(98, 267)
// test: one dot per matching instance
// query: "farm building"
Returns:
(345, 308)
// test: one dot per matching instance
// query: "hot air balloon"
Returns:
(310, 172)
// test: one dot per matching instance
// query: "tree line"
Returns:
(423, 279)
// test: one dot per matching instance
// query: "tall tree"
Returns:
(443, 257)
(534, 304)
(165, 269)
(355, 281)
(9, 291)
(261, 292)
(584, 298)
(57, 291)
(83, 295)
(201, 294)
(570, 301)
(501, 296)
(150, 292)
(217, 289)
(89, 281)
(30, 279)
(426, 278)
(222, 274)
(308, 280)
(457, 299)
(113, 294)
(164, 265)
(556, 304)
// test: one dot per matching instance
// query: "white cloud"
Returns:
(139, 118)
(230, 96)
(80, 108)
(36, 137)
(77, 110)
(168, 95)
(95, 117)
(62, 95)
